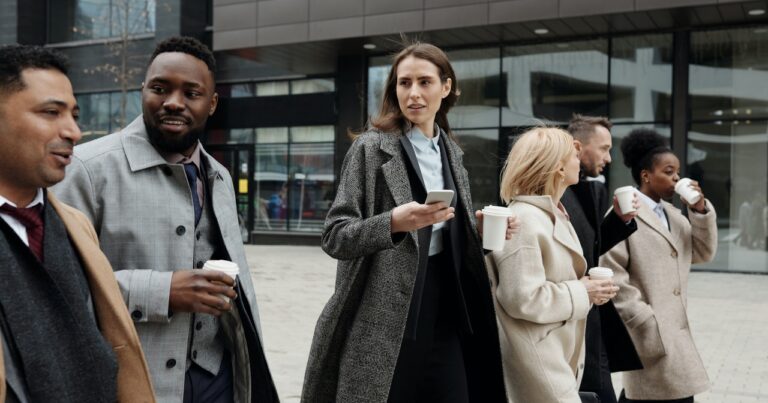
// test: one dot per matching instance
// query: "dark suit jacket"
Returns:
(586, 203)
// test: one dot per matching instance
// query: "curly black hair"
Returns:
(641, 149)
(188, 45)
(16, 58)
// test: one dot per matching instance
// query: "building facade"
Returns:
(295, 76)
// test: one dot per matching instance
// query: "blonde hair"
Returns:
(533, 163)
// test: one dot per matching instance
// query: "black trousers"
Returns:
(431, 367)
(606, 394)
(623, 399)
(202, 387)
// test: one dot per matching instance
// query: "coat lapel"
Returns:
(394, 170)
(408, 147)
(673, 217)
(649, 218)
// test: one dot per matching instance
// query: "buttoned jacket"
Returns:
(651, 268)
(133, 380)
(141, 207)
(541, 305)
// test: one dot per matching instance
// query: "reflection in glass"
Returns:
(727, 74)
(481, 159)
(378, 68)
(92, 19)
(100, 113)
(272, 88)
(271, 186)
(641, 78)
(312, 86)
(310, 191)
(479, 79)
(729, 160)
(547, 83)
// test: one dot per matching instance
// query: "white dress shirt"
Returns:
(430, 162)
(657, 208)
(15, 224)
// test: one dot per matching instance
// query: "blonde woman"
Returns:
(541, 294)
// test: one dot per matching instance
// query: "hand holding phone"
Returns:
(437, 196)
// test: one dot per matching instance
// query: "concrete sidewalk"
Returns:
(728, 313)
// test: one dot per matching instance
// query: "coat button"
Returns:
(673, 254)
(170, 363)
(180, 230)
(136, 315)
(199, 325)
(167, 170)
(676, 291)
(198, 235)
(200, 264)
(194, 355)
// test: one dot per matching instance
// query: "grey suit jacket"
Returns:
(141, 208)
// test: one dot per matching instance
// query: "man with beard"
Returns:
(608, 345)
(65, 335)
(162, 207)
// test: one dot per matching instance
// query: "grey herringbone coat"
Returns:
(358, 335)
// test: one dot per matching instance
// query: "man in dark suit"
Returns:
(608, 346)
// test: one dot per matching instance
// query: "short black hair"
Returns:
(188, 45)
(14, 59)
(641, 149)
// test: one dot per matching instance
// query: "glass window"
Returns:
(482, 161)
(310, 192)
(641, 78)
(272, 88)
(271, 186)
(242, 90)
(92, 19)
(729, 160)
(312, 86)
(124, 107)
(103, 113)
(727, 72)
(377, 79)
(547, 83)
(272, 135)
(478, 73)
(312, 134)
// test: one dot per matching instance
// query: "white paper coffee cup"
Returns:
(225, 266)
(684, 189)
(495, 227)
(600, 273)
(625, 194)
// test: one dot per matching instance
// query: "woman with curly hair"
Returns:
(651, 268)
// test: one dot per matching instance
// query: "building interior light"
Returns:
(540, 31)
(369, 46)
(756, 11)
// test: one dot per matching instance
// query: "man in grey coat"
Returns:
(162, 207)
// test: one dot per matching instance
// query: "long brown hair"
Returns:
(390, 117)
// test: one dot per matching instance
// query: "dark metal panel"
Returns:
(642, 21)
(277, 111)
(579, 26)
(731, 12)
(680, 114)
(708, 15)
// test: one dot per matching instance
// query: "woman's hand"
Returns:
(513, 224)
(412, 216)
(599, 291)
(700, 206)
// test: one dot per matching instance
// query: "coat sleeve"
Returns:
(146, 292)
(524, 292)
(349, 232)
(613, 230)
(703, 234)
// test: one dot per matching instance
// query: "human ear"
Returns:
(447, 87)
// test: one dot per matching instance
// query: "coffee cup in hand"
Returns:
(625, 194)
(600, 273)
(231, 269)
(684, 189)
(495, 227)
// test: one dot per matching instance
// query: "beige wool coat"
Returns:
(651, 268)
(541, 305)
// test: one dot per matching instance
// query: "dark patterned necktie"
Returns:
(32, 219)
(191, 171)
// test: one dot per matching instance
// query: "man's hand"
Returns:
(198, 291)
(513, 224)
(412, 216)
(628, 216)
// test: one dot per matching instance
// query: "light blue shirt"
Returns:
(657, 208)
(431, 166)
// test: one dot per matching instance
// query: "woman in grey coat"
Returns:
(411, 318)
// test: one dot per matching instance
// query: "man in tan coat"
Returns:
(65, 333)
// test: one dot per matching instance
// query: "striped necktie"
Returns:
(32, 219)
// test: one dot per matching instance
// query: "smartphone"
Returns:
(437, 196)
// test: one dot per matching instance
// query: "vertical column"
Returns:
(681, 46)
(351, 76)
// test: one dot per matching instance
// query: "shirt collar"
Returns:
(656, 207)
(178, 158)
(39, 199)
(420, 140)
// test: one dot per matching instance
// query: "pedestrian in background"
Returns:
(411, 318)
(539, 282)
(651, 267)
(608, 345)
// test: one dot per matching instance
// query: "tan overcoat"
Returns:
(651, 268)
(541, 305)
(133, 382)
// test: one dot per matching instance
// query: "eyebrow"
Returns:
(59, 103)
(418, 78)
(187, 84)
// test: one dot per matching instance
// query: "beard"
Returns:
(172, 144)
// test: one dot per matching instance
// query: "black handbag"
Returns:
(589, 397)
